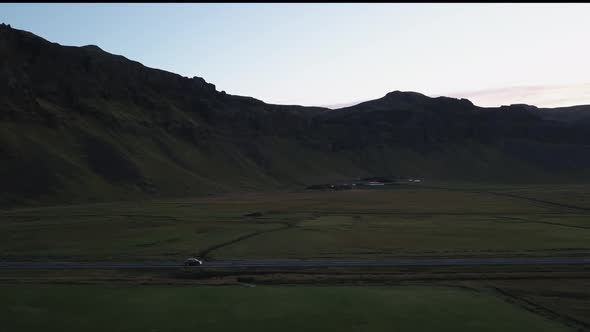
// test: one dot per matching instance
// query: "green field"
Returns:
(96, 308)
(402, 221)
(399, 221)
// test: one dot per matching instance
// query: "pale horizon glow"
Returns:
(337, 54)
(543, 96)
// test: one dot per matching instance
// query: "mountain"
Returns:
(579, 115)
(78, 124)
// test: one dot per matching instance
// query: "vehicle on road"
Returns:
(193, 262)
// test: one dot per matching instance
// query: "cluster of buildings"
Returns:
(361, 182)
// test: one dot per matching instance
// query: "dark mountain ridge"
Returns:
(80, 124)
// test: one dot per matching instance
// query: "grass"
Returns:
(447, 220)
(403, 221)
(385, 236)
(571, 298)
(100, 308)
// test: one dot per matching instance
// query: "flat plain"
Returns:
(401, 221)
(266, 308)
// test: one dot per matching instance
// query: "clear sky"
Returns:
(326, 54)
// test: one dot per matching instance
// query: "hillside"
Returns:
(80, 124)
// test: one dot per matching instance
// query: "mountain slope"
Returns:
(80, 124)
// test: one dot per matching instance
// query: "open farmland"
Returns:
(94, 308)
(404, 221)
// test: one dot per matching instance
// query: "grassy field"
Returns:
(566, 299)
(438, 220)
(402, 221)
(97, 308)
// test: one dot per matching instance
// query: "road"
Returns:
(285, 264)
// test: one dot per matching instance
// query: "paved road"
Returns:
(282, 264)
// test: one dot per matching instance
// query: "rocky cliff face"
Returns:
(79, 124)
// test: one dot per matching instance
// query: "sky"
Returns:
(338, 54)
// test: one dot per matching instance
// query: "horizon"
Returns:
(287, 67)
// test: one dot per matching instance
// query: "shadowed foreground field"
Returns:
(266, 308)
(400, 221)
